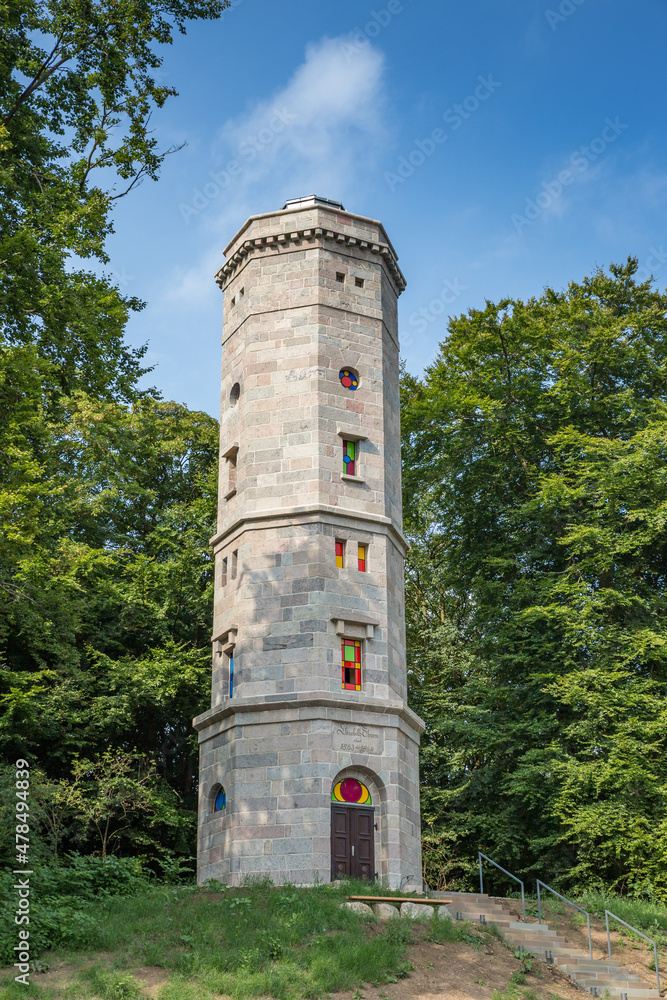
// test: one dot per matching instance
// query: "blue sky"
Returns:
(505, 144)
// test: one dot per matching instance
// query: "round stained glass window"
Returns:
(348, 378)
(351, 790)
(220, 801)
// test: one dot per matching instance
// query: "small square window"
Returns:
(361, 558)
(233, 301)
(340, 276)
(241, 292)
(359, 282)
(340, 554)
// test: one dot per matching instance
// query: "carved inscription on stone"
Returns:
(358, 739)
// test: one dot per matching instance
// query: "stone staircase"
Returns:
(599, 977)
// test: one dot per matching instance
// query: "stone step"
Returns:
(538, 929)
(591, 966)
(474, 915)
(609, 977)
(633, 992)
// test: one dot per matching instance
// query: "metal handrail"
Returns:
(565, 900)
(607, 915)
(504, 870)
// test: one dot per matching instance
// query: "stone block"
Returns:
(385, 911)
(363, 909)
(416, 910)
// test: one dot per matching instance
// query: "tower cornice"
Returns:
(315, 235)
(245, 521)
(274, 703)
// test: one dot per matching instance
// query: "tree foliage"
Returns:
(107, 493)
(536, 495)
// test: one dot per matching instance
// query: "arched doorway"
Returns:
(353, 827)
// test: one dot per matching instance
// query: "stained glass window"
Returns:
(230, 658)
(351, 790)
(349, 378)
(349, 457)
(351, 654)
(220, 801)
(340, 554)
(361, 558)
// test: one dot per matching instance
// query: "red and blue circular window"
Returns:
(349, 379)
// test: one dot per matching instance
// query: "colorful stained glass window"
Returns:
(340, 554)
(351, 653)
(351, 790)
(220, 801)
(361, 558)
(349, 457)
(348, 378)
(230, 658)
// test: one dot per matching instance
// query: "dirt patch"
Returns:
(60, 975)
(458, 971)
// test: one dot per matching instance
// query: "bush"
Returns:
(62, 898)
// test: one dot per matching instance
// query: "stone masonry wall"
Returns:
(307, 292)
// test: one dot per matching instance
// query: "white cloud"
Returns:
(319, 132)
(322, 133)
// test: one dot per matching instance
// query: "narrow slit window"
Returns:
(351, 653)
(361, 558)
(340, 554)
(235, 555)
(230, 664)
(349, 458)
(231, 472)
(223, 573)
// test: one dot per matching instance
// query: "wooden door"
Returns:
(352, 842)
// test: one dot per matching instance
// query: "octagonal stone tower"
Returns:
(309, 753)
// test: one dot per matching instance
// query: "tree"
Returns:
(535, 497)
(107, 495)
(77, 92)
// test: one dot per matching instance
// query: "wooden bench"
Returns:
(396, 900)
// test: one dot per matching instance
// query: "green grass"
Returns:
(645, 915)
(285, 942)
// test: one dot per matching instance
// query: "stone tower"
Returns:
(308, 755)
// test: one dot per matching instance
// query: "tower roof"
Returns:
(313, 199)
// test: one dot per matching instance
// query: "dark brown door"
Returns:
(352, 842)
